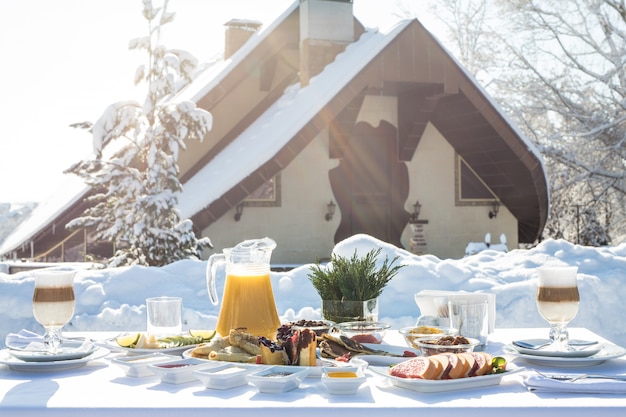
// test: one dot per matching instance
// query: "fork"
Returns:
(577, 377)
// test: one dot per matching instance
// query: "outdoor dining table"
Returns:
(102, 389)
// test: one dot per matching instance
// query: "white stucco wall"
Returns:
(449, 227)
(298, 226)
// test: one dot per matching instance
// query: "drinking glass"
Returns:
(53, 305)
(557, 301)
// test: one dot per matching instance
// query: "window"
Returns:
(267, 195)
(470, 188)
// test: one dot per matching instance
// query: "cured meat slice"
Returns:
(420, 368)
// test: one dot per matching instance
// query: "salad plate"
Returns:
(428, 386)
(608, 351)
(7, 358)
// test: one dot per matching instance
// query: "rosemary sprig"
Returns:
(353, 279)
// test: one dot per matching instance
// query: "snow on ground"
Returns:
(114, 299)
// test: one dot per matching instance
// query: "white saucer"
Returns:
(16, 364)
(69, 350)
(577, 352)
(609, 351)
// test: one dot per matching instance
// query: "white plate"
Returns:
(111, 344)
(579, 352)
(69, 350)
(609, 351)
(16, 364)
(383, 360)
(425, 385)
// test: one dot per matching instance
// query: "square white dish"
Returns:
(224, 376)
(138, 366)
(343, 383)
(179, 371)
(278, 379)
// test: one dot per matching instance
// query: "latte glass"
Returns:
(53, 304)
(557, 301)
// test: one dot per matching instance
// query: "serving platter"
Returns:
(363, 360)
(7, 358)
(112, 345)
(608, 351)
(428, 386)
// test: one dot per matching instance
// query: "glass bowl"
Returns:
(429, 346)
(364, 331)
(413, 333)
(320, 327)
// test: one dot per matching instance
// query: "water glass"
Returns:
(164, 316)
(471, 318)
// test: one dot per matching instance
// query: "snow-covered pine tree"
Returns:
(134, 173)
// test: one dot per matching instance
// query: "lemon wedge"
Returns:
(204, 334)
(128, 340)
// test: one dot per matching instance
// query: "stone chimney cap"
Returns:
(245, 24)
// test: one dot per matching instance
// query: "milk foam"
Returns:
(558, 276)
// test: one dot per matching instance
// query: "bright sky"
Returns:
(65, 61)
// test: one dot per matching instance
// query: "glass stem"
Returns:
(52, 339)
(559, 335)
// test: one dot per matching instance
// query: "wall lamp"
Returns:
(238, 211)
(495, 208)
(330, 210)
(417, 207)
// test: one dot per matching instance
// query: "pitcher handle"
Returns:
(212, 263)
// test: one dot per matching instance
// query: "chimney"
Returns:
(326, 28)
(238, 32)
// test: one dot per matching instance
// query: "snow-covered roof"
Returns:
(282, 121)
(70, 190)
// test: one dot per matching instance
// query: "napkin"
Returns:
(30, 341)
(538, 383)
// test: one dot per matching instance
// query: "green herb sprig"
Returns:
(353, 279)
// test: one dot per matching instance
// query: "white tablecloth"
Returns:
(101, 389)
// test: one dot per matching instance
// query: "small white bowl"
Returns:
(224, 377)
(138, 366)
(180, 371)
(279, 378)
(343, 380)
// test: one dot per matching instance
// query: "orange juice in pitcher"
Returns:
(248, 299)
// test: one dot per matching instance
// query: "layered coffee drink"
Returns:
(53, 299)
(558, 304)
(557, 294)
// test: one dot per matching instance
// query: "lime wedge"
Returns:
(128, 340)
(205, 335)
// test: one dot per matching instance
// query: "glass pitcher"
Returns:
(248, 300)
